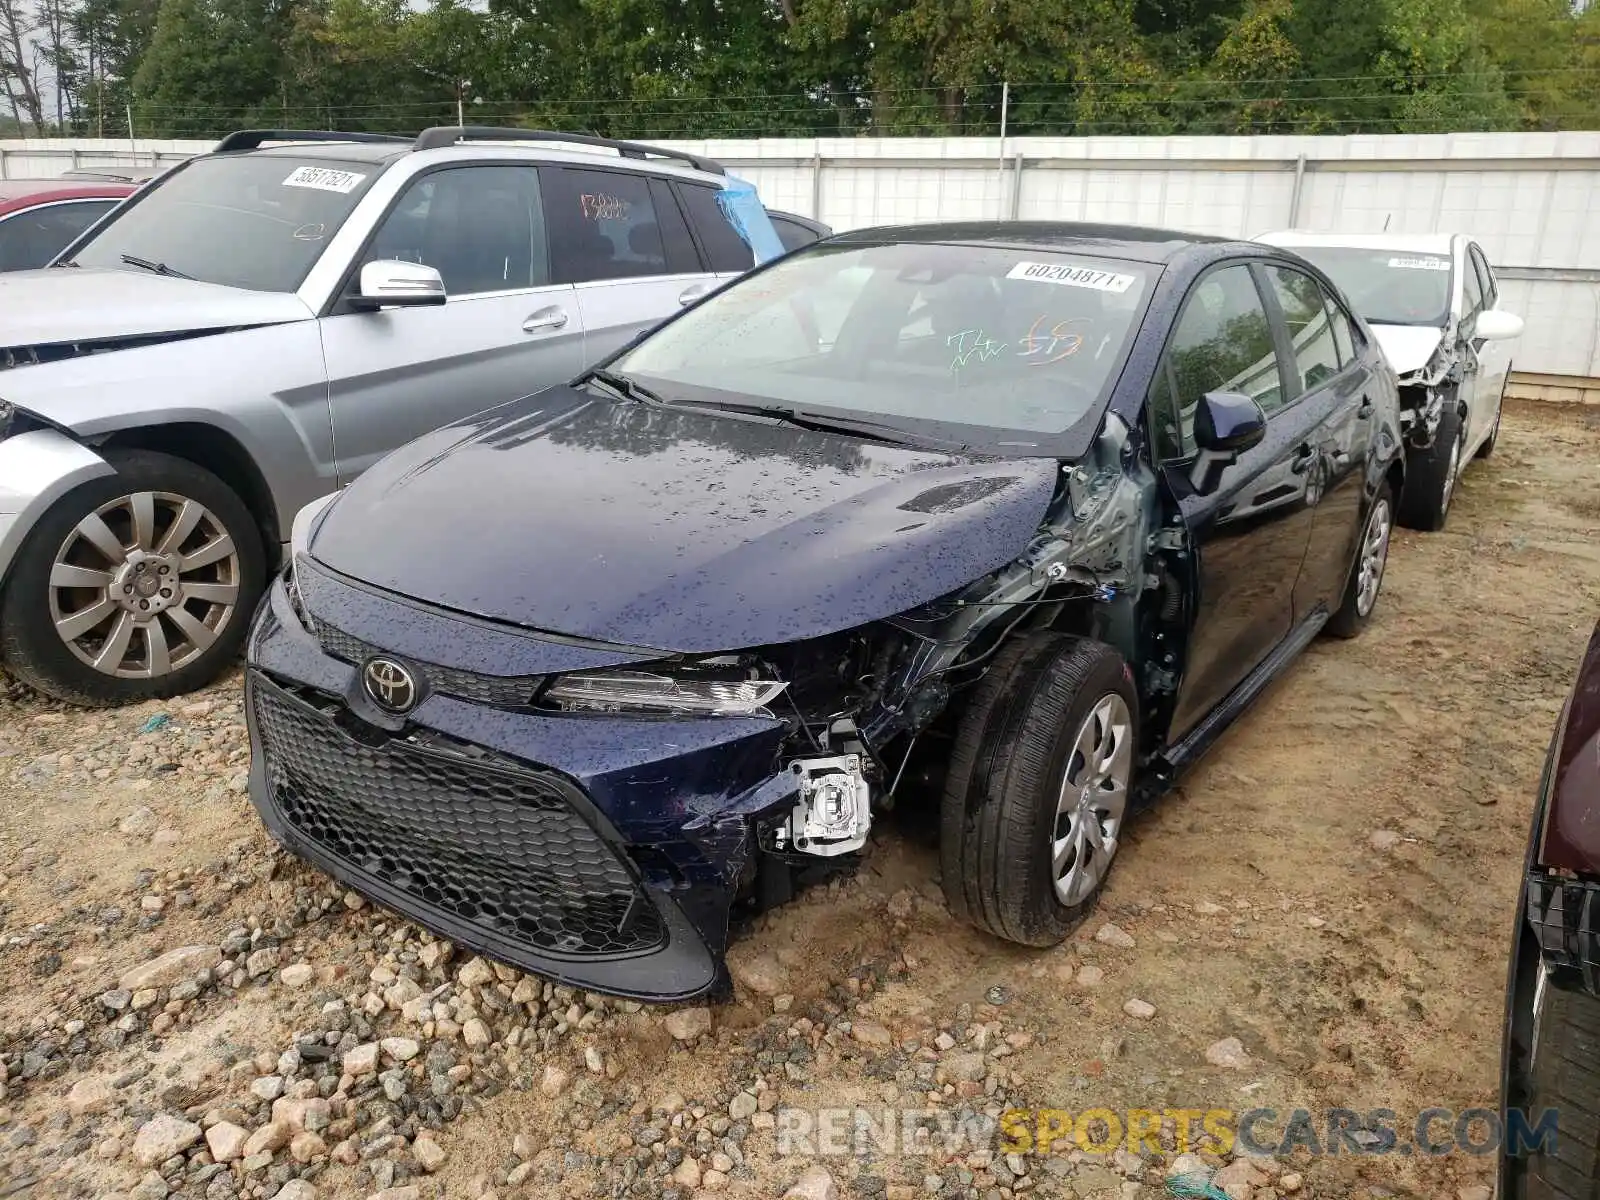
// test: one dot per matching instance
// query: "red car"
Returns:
(39, 217)
(1550, 1098)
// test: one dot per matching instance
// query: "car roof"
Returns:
(1421, 243)
(21, 189)
(387, 152)
(1132, 242)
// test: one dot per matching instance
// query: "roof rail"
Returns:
(449, 135)
(251, 139)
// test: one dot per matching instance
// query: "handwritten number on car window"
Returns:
(1060, 342)
(600, 206)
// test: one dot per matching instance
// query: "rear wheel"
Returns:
(1431, 475)
(1038, 788)
(135, 586)
(1366, 573)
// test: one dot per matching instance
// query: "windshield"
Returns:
(1388, 287)
(987, 345)
(248, 221)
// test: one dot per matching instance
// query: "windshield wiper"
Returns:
(160, 268)
(622, 386)
(874, 431)
(66, 262)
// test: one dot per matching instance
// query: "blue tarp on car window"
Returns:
(742, 206)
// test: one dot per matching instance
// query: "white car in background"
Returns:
(1432, 301)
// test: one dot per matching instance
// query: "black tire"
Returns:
(1012, 748)
(1562, 1073)
(37, 655)
(1350, 620)
(1431, 474)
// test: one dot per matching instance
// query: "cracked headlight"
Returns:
(690, 692)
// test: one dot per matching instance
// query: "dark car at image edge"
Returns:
(1551, 1057)
(1016, 515)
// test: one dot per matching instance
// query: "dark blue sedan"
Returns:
(1012, 517)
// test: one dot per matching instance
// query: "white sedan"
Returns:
(1432, 301)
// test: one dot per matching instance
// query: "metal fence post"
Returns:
(1016, 186)
(1294, 196)
(816, 186)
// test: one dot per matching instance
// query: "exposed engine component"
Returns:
(835, 808)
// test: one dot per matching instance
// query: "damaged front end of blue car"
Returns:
(748, 640)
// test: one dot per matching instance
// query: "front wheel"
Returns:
(1038, 787)
(1366, 573)
(1431, 475)
(135, 586)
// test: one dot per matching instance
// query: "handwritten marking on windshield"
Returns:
(970, 343)
(601, 206)
(1046, 348)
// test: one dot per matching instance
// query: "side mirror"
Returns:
(1226, 424)
(392, 283)
(1494, 325)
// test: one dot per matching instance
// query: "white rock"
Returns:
(554, 1080)
(1228, 1052)
(476, 973)
(162, 1136)
(1114, 935)
(476, 1034)
(226, 1141)
(297, 1189)
(814, 1184)
(686, 1024)
(429, 1154)
(1207, 909)
(593, 1059)
(1474, 1192)
(305, 1147)
(362, 1060)
(743, 1106)
(1139, 1010)
(268, 1087)
(274, 1135)
(401, 1049)
(297, 975)
(91, 1094)
(141, 822)
(1090, 975)
(761, 974)
(172, 967)
(1383, 840)
(687, 1174)
(1289, 1182)
(1187, 1164)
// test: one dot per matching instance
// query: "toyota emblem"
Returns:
(390, 685)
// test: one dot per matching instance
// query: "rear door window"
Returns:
(604, 225)
(725, 250)
(1305, 313)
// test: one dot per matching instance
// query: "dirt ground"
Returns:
(1333, 887)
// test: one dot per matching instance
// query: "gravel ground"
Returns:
(1317, 917)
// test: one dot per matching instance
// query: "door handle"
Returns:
(1303, 458)
(692, 293)
(545, 318)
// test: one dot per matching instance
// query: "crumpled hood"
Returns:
(1407, 347)
(76, 304)
(673, 529)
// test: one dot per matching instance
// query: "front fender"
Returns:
(36, 470)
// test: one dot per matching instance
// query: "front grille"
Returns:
(502, 691)
(492, 844)
(1565, 916)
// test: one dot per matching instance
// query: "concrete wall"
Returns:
(1532, 199)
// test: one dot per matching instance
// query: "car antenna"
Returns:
(1386, 219)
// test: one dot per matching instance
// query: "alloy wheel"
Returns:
(143, 585)
(1093, 801)
(1451, 471)
(1374, 555)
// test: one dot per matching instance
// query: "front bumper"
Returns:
(603, 852)
(37, 468)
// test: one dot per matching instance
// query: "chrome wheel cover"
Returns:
(1452, 470)
(1374, 556)
(1093, 801)
(144, 585)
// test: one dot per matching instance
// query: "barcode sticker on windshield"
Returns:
(324, 179)
(1421, 264)
(1084, 277)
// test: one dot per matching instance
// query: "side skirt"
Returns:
(1199, 739)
